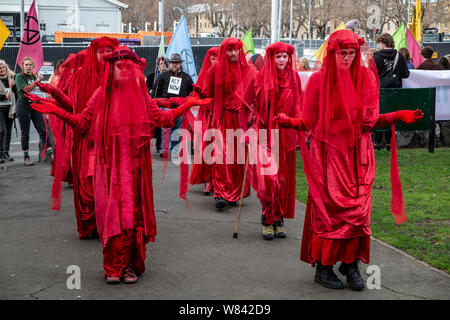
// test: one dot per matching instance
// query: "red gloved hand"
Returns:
(45, 87)
(286, 122)
(408, 116)
(36, 99)
(197, 102)
(47, 108)
(177, 101)
(201, 93)
(162, 102)
(58, 94)
(190, 102)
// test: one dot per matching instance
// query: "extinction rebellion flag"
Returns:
(30, 42)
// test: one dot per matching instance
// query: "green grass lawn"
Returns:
(425, 180)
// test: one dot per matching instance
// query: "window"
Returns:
(62, 27)
(103, 28)
(42, 26)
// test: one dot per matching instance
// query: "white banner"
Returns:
(430, 79)
(420, 79)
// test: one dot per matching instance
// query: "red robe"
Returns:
(340, 230)
(227, 178)
(276, 193)
(123, 190)
(82, 163)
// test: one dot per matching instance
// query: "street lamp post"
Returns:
(309, 20)
(290, 22)
(274, 22)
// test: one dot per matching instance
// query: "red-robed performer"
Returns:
(119, 118)
(63, 133)
(83, 83)
(275, 89)
(225, 76)
(201, 171)
(340, 107)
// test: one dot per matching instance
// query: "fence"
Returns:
(54, 53)
(392, 100)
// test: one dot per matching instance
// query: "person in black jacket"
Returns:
(389, 72)
(392, 68)
(161, 64)
(173, 83)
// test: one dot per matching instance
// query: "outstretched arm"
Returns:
(407, 116)
(58, 94)
(80, 122)
(166, 119)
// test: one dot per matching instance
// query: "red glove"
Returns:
(56, 93)
(190, 102)
(201, 93)
(177, 101)
(286, 122)
(37, 99)
(408, 116)
(50, 108)
(47, 108)
(45, 87)
(162, 102)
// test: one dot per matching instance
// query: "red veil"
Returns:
(62, 133)
(266, 94)
(121, 131)
(200, 172)
(203, 75)
(340, 107)
(89, 77)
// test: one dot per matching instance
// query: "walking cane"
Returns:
(236, 227)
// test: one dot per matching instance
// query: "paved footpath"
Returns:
(194, 256)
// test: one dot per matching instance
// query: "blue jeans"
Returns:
(173, 143)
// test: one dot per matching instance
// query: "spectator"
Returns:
(391, 67)
(390, 64)
(407, 56)
(182, 89)
(8, 96)
(444, 62)
(303, 64)
(428, 64)
(161, 64)
(26, 83)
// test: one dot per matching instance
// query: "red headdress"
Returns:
(92, 70)
(350, 92)
(203, 75)
(72, 63)
(123, 110)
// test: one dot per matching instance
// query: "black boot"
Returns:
(220, 202)
(326, 277)
(354, 279)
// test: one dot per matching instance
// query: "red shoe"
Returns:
(129, 275)
(112, 280)
(208, 188)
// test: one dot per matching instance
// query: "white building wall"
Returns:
(60, 15)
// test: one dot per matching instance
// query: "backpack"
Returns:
(390, 80)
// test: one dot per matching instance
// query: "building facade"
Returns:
(65, 15)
